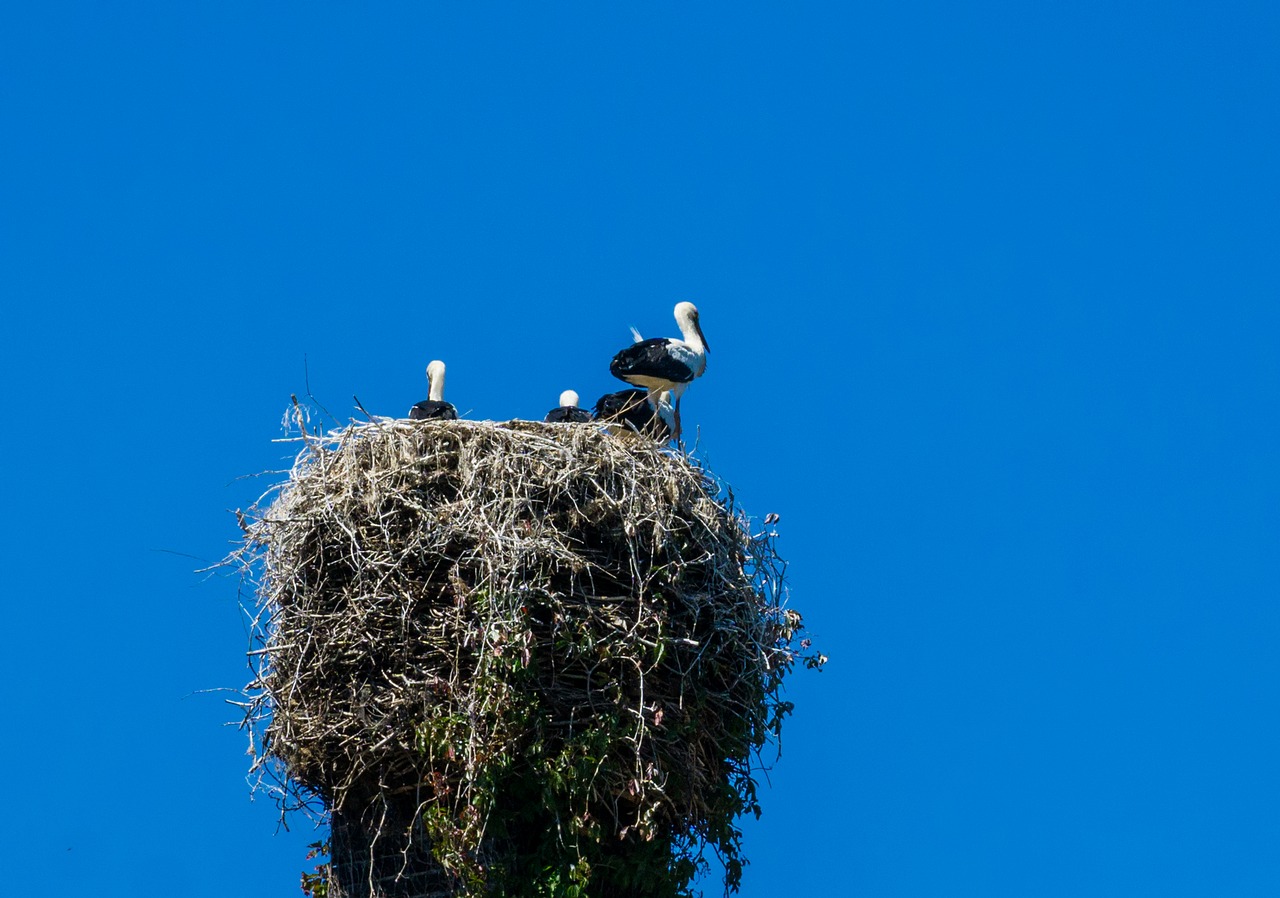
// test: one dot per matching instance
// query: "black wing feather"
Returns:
(433, 409)
(567, 414)
(632, 407)
(650, 358)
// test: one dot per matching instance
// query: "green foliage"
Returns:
(613, 805)
(316, 885)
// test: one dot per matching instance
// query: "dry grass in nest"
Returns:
(462, 612)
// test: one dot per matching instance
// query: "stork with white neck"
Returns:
(665, 363)
(434, 407)
(568, 411)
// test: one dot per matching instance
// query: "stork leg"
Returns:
(679, 430)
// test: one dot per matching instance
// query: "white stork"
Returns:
(640, 411)
(665, 363)
(434, 406)
(568, 411)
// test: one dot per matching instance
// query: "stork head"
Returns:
(687, 318)
(435, 380)
(568, 399)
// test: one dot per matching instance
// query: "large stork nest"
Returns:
(515, 659)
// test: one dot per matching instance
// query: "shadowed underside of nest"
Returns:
(517, 656)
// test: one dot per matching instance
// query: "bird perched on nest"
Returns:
(568, 411)
(640, 411)
(665, 363)
(434, 406)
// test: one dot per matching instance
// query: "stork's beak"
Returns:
(698, 327)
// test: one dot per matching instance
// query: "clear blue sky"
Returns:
(991, 293)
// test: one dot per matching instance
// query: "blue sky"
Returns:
(992, 299)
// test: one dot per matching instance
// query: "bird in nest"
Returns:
(638, 411)
(568, 412)
(434, 407)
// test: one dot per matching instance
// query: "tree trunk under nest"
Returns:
(381, 851)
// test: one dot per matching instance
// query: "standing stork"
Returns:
(434, 406)
(665, 363)
(568, 411)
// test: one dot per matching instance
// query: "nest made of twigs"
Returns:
(516, 626)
